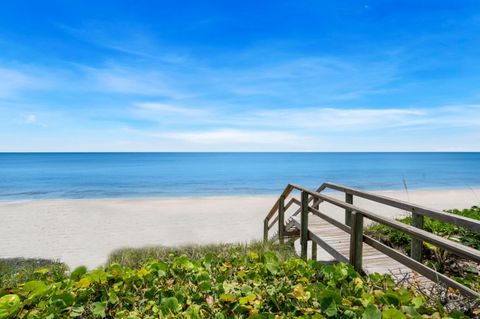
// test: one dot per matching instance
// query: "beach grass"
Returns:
(15, 270)
(135, 257)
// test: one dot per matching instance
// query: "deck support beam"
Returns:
(348, 212)
(417, 244)
(265, 230)
(281, 219)
(314, 250)
(304, 225)
(356, 241)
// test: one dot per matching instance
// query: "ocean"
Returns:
(25, 176)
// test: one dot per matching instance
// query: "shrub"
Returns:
(254, 285)
(435, 257)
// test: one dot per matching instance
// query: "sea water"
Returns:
(117, 175)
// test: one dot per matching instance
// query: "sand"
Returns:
(85, 232)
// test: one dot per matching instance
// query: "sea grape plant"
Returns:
(251, 286)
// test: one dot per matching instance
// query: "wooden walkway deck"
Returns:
(346, 242)
(336, 238)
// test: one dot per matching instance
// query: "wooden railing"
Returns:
(354, 219)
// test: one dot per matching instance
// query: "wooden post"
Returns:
(348, 212)
(356, 241)
(265, 230)
(315, 203)
(416, 246)
(304, 225)
(281, 219)
(314, 250)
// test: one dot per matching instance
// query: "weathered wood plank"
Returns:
(419, 267)
(356, 241)
(281, 218)
(314, 250)
(432, 213)
(304, 225)
(340, 240)
(348, 212)
(417, 244)
(458, 249)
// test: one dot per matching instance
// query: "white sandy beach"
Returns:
(87, 231)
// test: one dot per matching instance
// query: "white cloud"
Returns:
(129, 80)
(338, 119)
(30, 119)
(12, 81)
(165, 109)
(229, 136)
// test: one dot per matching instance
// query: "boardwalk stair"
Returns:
(302, 217)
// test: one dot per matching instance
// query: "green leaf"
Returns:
(247, 299)
(227, 297)
(9, 305)
(98, 276)
(393, 314)
(170, 305)
(329, 299)
(371, 312)
(34, 289)
(205, 286)
(99, 309)
(418, 301)
(391, 298)
(78, 272)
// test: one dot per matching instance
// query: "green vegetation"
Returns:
(135, 257)
(250, 285)
(19, 270)
(460, 234)
(225, 281)
(435, 257)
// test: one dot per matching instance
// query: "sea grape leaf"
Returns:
(98, 276)
(78, 272)
(227, 297)
(9, 305)
(247, 299)
(329, 299)
(391, 298)
(371, 312)
(34, 289)
(170, 305)
(205, 286)
(393, 314)
(99, 309)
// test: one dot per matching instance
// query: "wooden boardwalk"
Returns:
(346, 242)
(336, 238)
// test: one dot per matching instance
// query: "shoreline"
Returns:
(86, 231)
(474, 189)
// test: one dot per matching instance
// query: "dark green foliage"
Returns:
(436, 257)
(400, 240)
(251, 285)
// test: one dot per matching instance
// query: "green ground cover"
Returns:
(209, 282)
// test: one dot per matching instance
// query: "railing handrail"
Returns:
(354, 226)
(462, 250)
(449, 218)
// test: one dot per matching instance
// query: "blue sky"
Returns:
(240, 76)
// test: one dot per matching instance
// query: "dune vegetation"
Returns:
(217, 281)
(465, 272)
